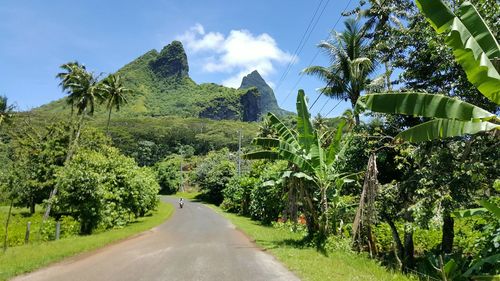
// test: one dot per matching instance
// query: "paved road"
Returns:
(195, 244)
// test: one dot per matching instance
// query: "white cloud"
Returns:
(237, 54)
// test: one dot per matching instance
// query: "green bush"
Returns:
(213, 175)
(105, 188)
(267, 198)
(237, 194)
(168, 174)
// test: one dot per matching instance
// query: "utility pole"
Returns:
(239, 153)
(182, 182)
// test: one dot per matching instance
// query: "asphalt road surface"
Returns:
(194, 244)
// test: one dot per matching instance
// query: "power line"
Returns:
(327, 101)
(298, 46)
(383, 3)
(305, 37)
(313, 59)
(333, 108)
(317, 52)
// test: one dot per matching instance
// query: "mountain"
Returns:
(161, 86)
(268, 101)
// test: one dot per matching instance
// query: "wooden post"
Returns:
(182, 181)
(27, 236)
(239, 153)
(7, 226)
(58, 230)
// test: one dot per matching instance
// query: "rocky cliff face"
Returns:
(268, 101)
(250, 105)
(172, 61)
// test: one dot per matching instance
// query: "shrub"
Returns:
(267, 198)
(213, 175)
(237, 194)
(168, 174)
(104, 188)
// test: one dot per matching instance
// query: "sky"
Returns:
(224, 40)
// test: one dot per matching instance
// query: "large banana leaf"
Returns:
(444, 128)
(333, 149)
(307, 134)
(317, 154)
(283, 152)
(282, 130)
(473, 44)
(491, 260)
(494, 209)
(469, 212)
(423, 104)
(266, 142)
(262, 154)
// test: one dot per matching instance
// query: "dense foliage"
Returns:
(169, 174)
(428, 205)
(98, 186)
(214, 173)
(105, 188)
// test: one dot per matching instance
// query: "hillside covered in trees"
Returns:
(160, 85)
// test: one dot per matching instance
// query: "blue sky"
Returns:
(223, 40)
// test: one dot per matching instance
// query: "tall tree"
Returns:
(347, 76)
(384, 26)
(81, 87)
(5, 110)
(83, 91)
(114, 94)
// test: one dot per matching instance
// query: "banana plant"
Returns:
(304, 149)
(490, 210)
(477, 51)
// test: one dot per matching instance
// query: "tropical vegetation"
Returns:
(409, 178)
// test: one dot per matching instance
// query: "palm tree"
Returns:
(312, 162)
(114, 94)
(347, 77)
(5, 110)
(81, 87)
(382, 19)
(83, 91)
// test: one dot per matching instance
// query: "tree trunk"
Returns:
(448, 234)
(397, 240)
(7, 226)
(32, 206)
(109, 119)
(71, 150)
(388, 72)
(409, 250)
(311, 214)
(324, 212)
(353, 106)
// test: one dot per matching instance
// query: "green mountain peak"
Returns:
(161, 86)
(268, 101)
(171, 61)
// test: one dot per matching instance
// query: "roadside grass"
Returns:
(19, 219)
(187, 195)
(307, 262)
(23, 259)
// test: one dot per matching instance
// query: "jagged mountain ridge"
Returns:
(161, 86)
(267, 101)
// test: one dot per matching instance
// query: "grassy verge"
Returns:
(307, 262)
(21, 259)
(186, 195)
